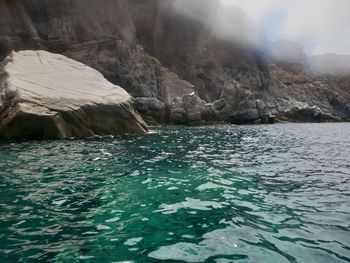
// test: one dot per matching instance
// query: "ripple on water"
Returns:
(191, 194)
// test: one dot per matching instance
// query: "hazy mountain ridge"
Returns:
(284, 52)
(178, 68)
(330, 64)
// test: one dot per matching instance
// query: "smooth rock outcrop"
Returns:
(49, 96)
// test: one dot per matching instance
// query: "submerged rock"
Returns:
(45, 95)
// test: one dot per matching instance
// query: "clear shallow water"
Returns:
(220, 194)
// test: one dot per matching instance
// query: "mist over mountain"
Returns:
(330, 64)
(287, 53)
(292, 55)
(298, 32)
(321, 26)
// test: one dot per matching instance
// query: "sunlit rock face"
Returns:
(183, 60)
(49, 96)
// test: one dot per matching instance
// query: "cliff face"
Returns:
(177, 58)
(188, 38)
(64, 24)
(100, 34)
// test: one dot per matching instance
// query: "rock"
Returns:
(236, 105)
(9, 90)
(190, 109)
(299, 97)
(49, 96)
(296, 111)
(152, 109)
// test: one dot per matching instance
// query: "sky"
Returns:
(321, 26)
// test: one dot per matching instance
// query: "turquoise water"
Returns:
(222, 194)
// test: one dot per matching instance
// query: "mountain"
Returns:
(288, 54)
(330, 64)
(183, 61)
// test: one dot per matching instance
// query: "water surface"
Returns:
(221, 194)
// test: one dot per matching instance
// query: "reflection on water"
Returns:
(221, 194)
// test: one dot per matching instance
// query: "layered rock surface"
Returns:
(49, 96)
(176, 64)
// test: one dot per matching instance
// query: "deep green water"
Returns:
(222, 194)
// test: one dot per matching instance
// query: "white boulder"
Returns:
(49, 96)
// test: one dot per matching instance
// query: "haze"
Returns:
(321, 26)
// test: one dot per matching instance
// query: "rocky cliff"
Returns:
(177, 58)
